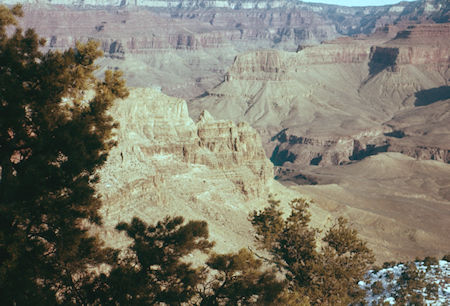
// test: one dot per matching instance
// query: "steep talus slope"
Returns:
(328, 104)
(165, 164)
(399, 204)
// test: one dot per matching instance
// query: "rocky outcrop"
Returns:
(423, 132)
(272, 65)
(326, 151)
(166, 164)
(417, 45)
(421, 152)
(161, 126)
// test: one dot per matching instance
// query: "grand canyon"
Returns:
(233, 102)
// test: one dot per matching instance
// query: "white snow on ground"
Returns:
(389, 277)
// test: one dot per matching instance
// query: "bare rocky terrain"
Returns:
(359, 124)
(400, 205)
(324, 110)
(166, 164)
(185, 47)
(345, 99)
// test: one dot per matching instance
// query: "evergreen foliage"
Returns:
(52, 139)
(409, 285)
(239, 280)
(327, 277)
(157, 270)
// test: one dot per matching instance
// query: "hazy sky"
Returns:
(356, 2)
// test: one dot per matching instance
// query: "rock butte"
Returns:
(165, 164)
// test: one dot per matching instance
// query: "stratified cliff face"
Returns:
(424, 131)
(165, 164)
(182, 51)
(184, 47)
(328, 104)
(348, 20)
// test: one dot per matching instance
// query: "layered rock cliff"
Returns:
(184, 47)
(166, 164)
(213, 170)
(329, 104)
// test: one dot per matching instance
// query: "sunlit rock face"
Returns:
(166, 164)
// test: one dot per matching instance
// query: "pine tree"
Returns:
(52, 140)
(239, 280)
(326, 276)
(155, 272)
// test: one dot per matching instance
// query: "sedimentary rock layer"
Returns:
(184, 47)
(166, 164)
(330, 104)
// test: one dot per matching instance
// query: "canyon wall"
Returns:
(331, 103)
(214, 170)
(167, 164)
(185, 47)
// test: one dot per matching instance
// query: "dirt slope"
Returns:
(400, 205)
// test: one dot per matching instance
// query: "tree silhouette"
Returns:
(52, 139)
(155, 270)
(239, 280)
(328, 276)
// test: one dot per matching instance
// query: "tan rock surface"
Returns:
(184, 47)
(165, 164)
(342, 101)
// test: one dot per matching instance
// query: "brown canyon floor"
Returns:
(400, 205)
